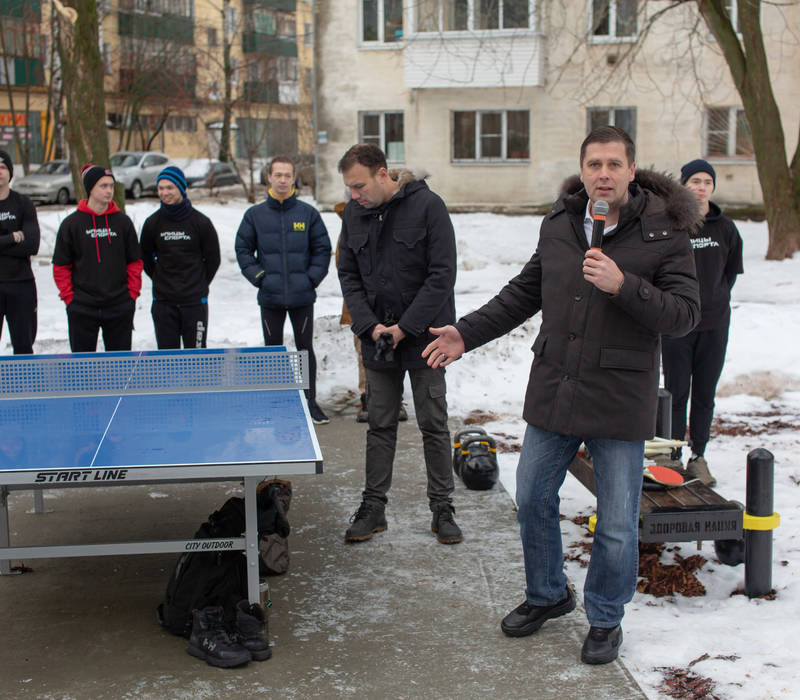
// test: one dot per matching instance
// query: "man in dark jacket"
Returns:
(694, 362)
(283, 248)
(97, 267)
(397, 268)
(19, 239)
(180, 251)
(595, 371)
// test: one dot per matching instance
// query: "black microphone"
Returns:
(600, 209)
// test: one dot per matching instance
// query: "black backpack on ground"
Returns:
(203, 579)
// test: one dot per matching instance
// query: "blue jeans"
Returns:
(613, 567)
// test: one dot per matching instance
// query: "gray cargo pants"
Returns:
(384, 394)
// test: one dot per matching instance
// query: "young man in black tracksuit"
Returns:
(97, 267)
(19, 240)
(694, 362)
(180, 251)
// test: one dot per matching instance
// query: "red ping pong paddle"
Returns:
(663, 475)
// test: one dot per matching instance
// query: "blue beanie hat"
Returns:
(698, 166)
(175, 175)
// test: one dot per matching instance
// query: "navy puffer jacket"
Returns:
(283, 249)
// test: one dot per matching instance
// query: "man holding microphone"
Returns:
(595, 372)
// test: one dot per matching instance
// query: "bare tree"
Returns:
(155, 81)
(82, 70)
(690, 24)
(26, 52)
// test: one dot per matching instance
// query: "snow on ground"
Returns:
(750, 644)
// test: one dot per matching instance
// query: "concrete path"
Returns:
(399, 616)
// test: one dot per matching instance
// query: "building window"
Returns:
(623, 117)
(211, 36)
(727, 133)
(385, 130)
(381, 21)
(471, 15)
(492, 136)
(308, 35)
(613, 19)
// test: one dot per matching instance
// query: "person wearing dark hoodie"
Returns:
(693, 363)
(97, 267)
(282, 247)
(595, 372)
(19, 240)
(180, 251)
(397, 270)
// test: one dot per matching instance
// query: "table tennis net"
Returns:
(153, 372)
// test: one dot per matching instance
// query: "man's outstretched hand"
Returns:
(447, 348)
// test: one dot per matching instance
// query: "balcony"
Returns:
(22, 71)
(26, 9)
(171, 27)
(157, 83)
(487, 59)
(282, 5)
(253, 42)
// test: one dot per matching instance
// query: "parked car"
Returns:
(52, 182)
(210, 173)
(137, 170)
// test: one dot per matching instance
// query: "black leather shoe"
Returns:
(601, 645)
(525, 619)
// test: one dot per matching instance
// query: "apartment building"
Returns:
(170, 69)
(493, 97)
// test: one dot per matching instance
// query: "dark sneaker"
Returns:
(403, 415)
(601, 645)
(251, 630)
(443, 524)
(362, 416)
(367, 520)
(316, 413)
(525, 619)
(697, 467)
(210, 642)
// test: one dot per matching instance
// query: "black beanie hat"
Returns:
(698, 166)
(8, 163)
(90, 174)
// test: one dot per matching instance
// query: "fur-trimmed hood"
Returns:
(405, 175)
(678, 202)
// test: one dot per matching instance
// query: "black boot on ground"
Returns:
(601, 645)
(366, 521)
(210, 642)
(443, 524)
(525, 619)
(251, 630)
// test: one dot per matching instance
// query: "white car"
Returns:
(52, 182)
(137, 170)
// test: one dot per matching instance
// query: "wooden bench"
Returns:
(684, 514)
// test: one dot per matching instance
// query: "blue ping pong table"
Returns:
(117, 418)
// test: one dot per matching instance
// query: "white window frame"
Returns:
(733, 113)
(611, 37)
(380, 42)
(479, 159)
(612, 114)
(471, 29)
(381, 114)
